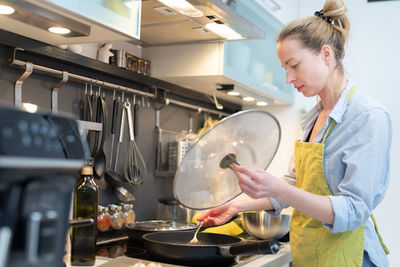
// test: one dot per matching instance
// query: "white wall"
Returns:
(372, 60)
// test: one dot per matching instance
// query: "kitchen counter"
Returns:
(284, 258)
(267, 260)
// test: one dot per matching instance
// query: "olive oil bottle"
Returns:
(86, 200)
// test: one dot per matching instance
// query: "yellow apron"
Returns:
(311, 243)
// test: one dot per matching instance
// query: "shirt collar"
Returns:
(336, 113)
(340, 107)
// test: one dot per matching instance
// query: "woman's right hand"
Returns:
(218, 215)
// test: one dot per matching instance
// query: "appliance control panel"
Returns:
(39, 135)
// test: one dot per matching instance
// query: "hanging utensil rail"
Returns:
(103, 84)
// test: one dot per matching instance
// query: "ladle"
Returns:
(123, 195)
(99, 165)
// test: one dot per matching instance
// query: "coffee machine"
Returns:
(40, 157)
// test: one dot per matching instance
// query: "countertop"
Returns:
(267, 260)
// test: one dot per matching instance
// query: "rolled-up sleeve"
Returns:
(364, 160)
(289, 177)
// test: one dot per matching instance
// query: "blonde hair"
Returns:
(315, 31)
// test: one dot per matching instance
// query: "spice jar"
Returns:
(141, 66)
(132, 62)
(128, 214)
(116, 216)
(147, 67)
(103, 219)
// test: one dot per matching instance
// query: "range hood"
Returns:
(162, 25)
(159, 24)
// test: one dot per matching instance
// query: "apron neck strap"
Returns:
(333, 122)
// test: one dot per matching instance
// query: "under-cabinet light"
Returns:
(261, 103)
(224, 31)
(6, 10)
(29, 107)
(183, 7)
(233, 93)
(245, 94)
(248, 98)
(59, 30)
(37, 16)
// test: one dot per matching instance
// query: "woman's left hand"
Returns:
(257, 183)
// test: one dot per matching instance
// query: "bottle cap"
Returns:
(87, 170)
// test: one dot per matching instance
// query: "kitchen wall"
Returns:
(37, 90)
(372, 61)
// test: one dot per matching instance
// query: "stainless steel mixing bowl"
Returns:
(261, 225)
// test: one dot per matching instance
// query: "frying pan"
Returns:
(141, 228)
(213, 249)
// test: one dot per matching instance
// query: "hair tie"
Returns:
(321, 15)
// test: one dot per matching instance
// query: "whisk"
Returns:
(135, 167)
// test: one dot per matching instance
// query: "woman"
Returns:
(341, 166)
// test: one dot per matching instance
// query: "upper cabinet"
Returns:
(141, 22)
(283, 10)
(87, 21)
(247, 68)
(254, 62)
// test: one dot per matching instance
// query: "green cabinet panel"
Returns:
(254, 62)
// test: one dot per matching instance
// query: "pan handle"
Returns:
(251, 248)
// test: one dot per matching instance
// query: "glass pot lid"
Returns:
(204, 180)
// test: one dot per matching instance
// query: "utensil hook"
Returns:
(160, 97)
(158, 119)
(190, 124)
(54, 92)
(94, 84)
(20, 82)
(91, 87)
(217, 105)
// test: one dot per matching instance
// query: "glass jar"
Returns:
(147, 67)
(141, 66)
(103, 219)
(116, 216)
(128, 214)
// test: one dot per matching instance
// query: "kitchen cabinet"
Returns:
(88, 21)
(251, 66)
(144, 23)
(254, 62)
(282, 10)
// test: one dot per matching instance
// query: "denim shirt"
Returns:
(356, 163)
